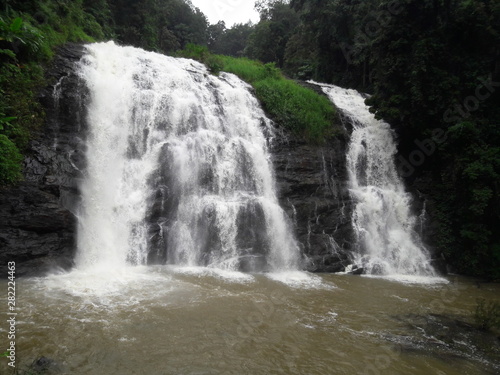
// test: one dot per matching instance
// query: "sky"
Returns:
(230, 11)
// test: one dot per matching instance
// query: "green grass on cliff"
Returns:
(27, 42)
(303, 111)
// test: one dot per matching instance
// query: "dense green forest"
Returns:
(432, 68)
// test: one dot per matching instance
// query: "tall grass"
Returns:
(301, 110)
(297, 108)
(250, 71)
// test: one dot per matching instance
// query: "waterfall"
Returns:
(178, 169)
(386, 229)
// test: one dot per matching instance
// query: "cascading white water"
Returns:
(177, 167)
(384, 225)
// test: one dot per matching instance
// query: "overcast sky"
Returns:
(230, 11)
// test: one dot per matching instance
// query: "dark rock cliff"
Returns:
(37, 217)
(312, 185)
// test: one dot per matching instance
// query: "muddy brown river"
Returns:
(164, 320)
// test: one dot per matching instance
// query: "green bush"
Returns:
(214, 63)
(18, 35)
(18, 98)
(300, 109)
(25, 44)
(10, 161)
(248, 70)
(297, 108)
(195, 52)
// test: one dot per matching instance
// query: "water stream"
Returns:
(178, 168)
(388, 240)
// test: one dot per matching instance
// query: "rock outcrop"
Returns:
(312, 184)
(37, 217)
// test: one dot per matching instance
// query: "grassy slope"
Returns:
(297, 108)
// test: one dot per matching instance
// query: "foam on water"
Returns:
(299, 279)
(100, 282)
(412, 279)
(206, 272)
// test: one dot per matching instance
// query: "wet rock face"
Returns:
(312, 186)
(37, 217)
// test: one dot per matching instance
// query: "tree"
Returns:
(270, 37)
(231, 41)
(164, 26)
(215, 33)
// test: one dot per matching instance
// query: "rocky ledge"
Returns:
(37, 217)
(312, 186)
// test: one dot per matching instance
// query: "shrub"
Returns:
(248, 70)
(300, 109)
(195, 52)
(214, 63)
(10, 161)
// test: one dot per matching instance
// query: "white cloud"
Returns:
(230, 11)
